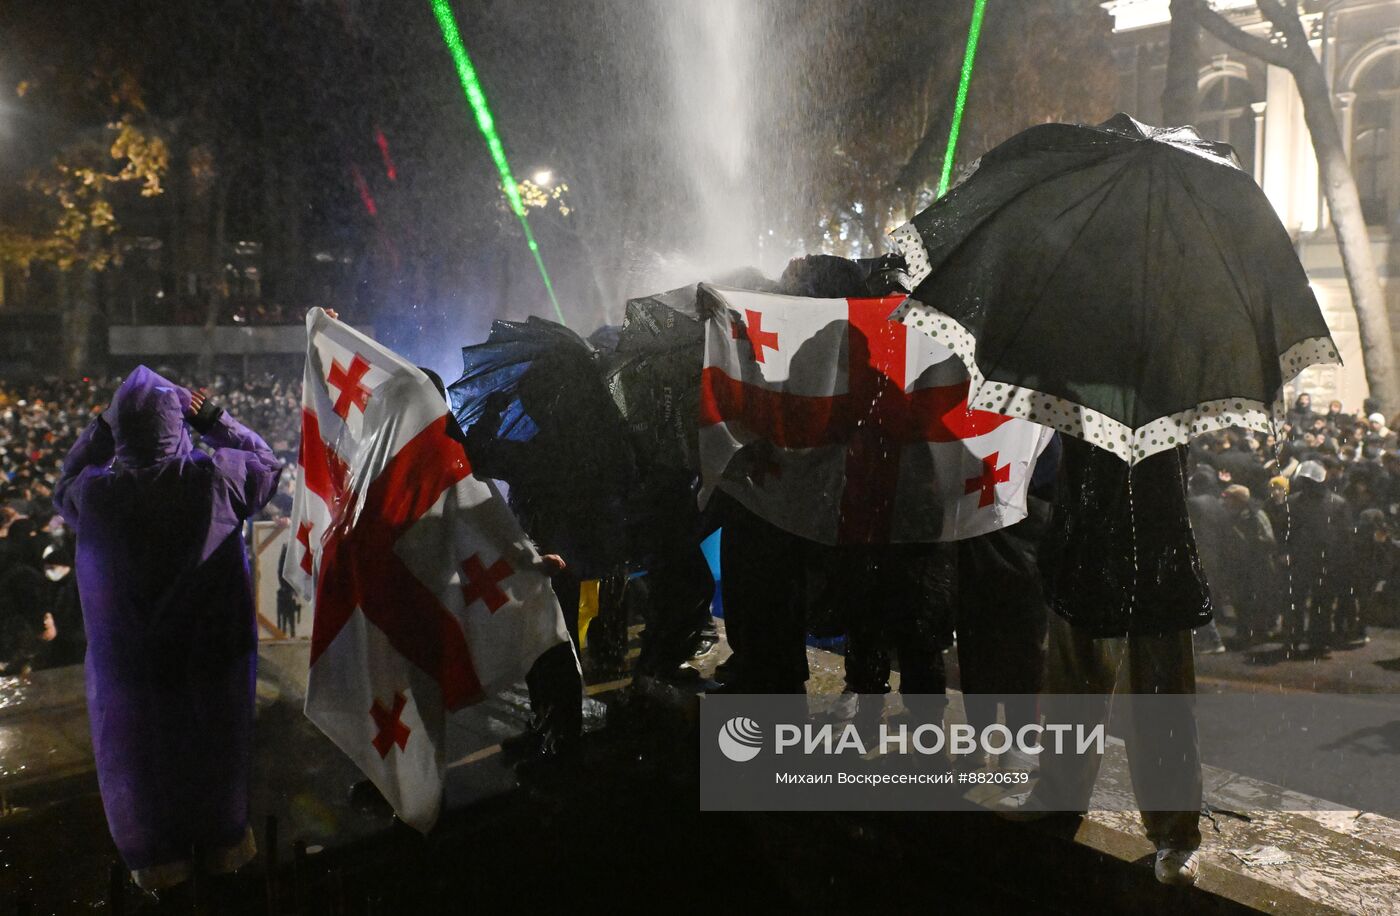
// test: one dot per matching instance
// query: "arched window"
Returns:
(1225, 115)
(1375, 159)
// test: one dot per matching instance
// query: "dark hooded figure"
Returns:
(168, 607)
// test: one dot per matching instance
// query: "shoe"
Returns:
(682, 674)
(1027, 807)
(1177, 866)
(1020, 808)
(842, 707)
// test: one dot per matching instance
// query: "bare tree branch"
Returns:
(922, 164)
(1285, 19)
(1239, 39)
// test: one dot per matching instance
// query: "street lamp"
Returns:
(543, 177)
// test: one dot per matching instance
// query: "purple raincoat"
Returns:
(168, 607)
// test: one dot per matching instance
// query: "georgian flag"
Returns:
(831, 422)
(428, 597)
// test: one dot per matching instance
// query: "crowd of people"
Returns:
(1296, 532)
(40, 617)
(1296, 536)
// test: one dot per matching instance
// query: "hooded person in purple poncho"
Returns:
(172, 636)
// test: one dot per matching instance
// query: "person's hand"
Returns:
(197, 398)
(283, 522)
(553, 564)
(707, 304)
(50, 629)
(333, 313)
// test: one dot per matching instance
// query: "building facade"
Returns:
(1256, 108)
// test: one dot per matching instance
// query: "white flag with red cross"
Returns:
(831, 422)
(428, 596)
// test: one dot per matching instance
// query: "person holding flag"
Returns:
(827, 430)
(427, 596)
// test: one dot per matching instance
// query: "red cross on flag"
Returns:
(828, 420)
(427, 596)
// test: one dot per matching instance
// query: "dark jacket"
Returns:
(1319, 537)
(1210, 524)
(1121, 559)
(1249, 576)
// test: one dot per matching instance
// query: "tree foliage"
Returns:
(65, 210)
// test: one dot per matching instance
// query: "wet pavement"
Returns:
(1370, 668)
(625, 825)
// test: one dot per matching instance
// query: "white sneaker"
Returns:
(1177, 866)
(1019, 808)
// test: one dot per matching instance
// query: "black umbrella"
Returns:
(493, 369)
(654, 376)
(664, 321)
(552, 432)
(1125, 284)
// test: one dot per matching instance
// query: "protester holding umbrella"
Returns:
(653, 376)
(537, 416)
(1131, 287)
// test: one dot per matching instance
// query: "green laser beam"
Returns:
(974, 32)
(466, 73)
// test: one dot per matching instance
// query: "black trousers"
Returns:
(1319, 598)
(607, 634)
(1002, 620)
(679, 589)
(554, 682)
(899, 611)
(764, 595)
